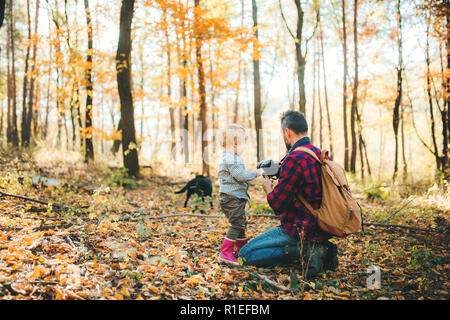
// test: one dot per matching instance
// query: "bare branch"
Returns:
(285, 22)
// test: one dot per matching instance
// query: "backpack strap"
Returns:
(310, 152)
(299, 196)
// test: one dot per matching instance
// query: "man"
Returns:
(298, 235)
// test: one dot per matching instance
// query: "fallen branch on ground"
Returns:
(56, 206)
(274, 216)
(398, 226)
(40, 228)
(273, 283)
(397, 211)
(51, 226)
(205, 215)
(217, 216)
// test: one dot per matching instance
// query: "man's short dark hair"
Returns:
(295, 121)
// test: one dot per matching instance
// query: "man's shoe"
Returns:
(226, 252)
(331, 260)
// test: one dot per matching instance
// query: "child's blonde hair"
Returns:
(232, 133)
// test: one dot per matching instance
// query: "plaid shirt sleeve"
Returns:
(282, 196)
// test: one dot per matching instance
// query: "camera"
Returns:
(271, 168)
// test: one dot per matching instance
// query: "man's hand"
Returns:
(267, 184)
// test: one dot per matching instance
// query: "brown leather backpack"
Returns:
(339, 213)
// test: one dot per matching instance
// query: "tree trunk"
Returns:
(1, 84)
(257, 87)
(35, 117)
(25, 129)
(72, 122)
(74, 89)
(446, 108)
(186, 116)
(2, 12)
(398, 99)
(362, 145)
(361, 157)
(430, 98)
(169, 80)
(238, 89)
(141, 85)
(65, 128)
(123, 66)
(117, 142)
(13, 135)
(213, 93)
(88, 130)
(402, 131)
(47, 107)
(344, 99)
(301, 62)
(313, 111)
(201, 91)
(32, 78)
(319, 100)
(355, 91)
(330, 130)
(9, 87)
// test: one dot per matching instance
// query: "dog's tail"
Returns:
(182, 190)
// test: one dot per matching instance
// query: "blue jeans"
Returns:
(276, 248)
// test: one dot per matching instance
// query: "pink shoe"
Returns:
(226, 252)
(239, 244)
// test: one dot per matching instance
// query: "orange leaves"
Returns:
(38, 272)
(103, 258)
(194, 280)
(153, 289)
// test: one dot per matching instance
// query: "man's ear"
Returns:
(287, 132)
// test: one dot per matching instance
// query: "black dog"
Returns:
(200, 185)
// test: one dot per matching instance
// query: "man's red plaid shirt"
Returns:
(299, 172)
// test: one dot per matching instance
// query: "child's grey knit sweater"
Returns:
(233, 177)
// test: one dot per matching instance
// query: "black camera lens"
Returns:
(271, 168)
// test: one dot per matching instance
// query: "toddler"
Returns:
(233, 196)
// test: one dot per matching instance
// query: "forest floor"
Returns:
(110, 243)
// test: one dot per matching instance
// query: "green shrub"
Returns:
(120, 178)
(376, 193)
(199, 203)
(262, 208)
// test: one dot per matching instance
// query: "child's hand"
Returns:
(260, 172)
